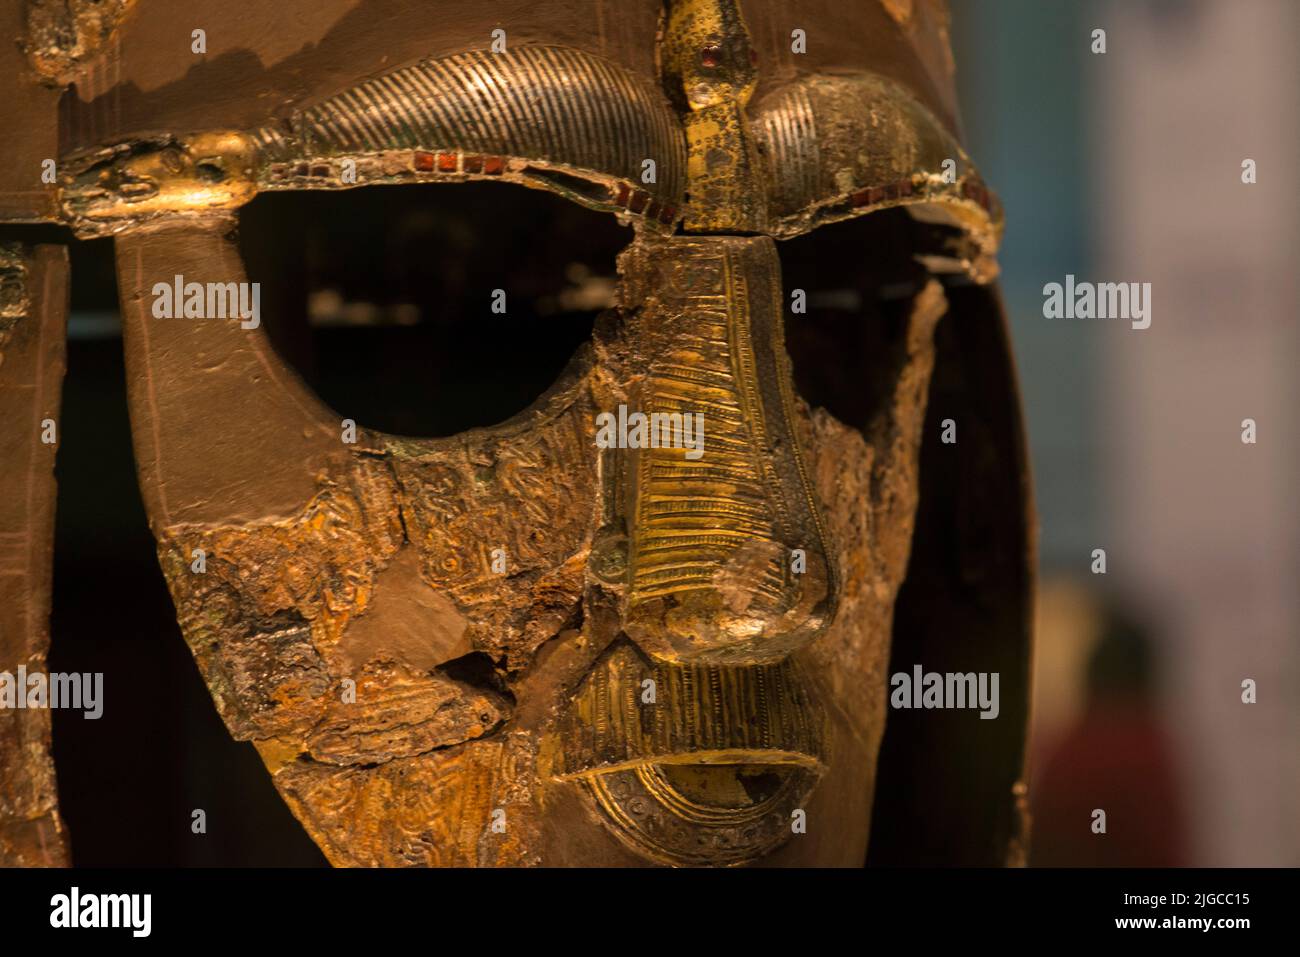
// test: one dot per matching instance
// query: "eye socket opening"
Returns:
(859, 277)
(427, 310)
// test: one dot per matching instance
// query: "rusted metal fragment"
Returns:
(264, 618)
(396, 712)
(435, 810)
(328, 633)
(272, 672)
(523, 491)
(33, 316)
(62, 35)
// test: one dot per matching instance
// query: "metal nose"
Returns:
(726, 557)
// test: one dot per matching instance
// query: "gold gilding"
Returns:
(710, 572)
(711, 68)
(127, 184)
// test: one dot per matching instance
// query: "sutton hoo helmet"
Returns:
(654, 616)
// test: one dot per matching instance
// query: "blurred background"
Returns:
(1117, 167)
(1127, 167)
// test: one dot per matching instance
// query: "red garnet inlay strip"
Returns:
(473, 164)
(493, 165)
(870, 195)
(447, 162)
(423, 162)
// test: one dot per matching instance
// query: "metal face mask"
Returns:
(651, 617)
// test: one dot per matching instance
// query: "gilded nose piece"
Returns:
(727, 560)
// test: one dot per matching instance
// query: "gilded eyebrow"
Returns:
(559, 118)
(554, 118)
(843, 146)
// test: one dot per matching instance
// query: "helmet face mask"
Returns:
(650, 617)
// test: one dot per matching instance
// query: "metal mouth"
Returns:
(630, 710)
(694, 764)
(730, 757)
(701, 814)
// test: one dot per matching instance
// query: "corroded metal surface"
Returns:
(711, 69)
(64, 34)
(519, 645)
(299, 601)
(33, 311)
(291, 606)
